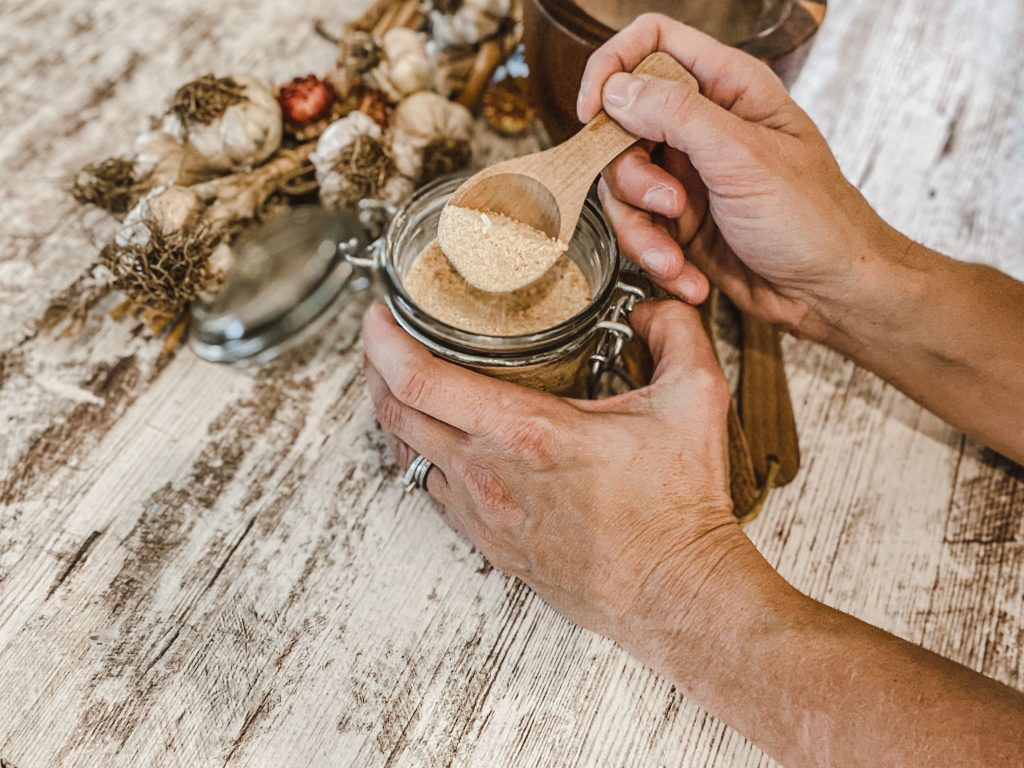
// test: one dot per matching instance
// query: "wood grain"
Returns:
(213, 567)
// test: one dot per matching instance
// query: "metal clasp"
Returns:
(616, 332)
(374, 216)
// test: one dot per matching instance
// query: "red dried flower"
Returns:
(305, 100)
(375, 104)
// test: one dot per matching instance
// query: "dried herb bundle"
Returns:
(167, 272)
(109, 184)
(204, 100)
(364, 167)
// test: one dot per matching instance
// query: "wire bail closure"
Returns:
(616, 332)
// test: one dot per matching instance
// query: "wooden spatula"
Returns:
(547, 189)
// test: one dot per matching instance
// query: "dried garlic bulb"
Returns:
(431, 136)
(228, 122)
(407, 65)
(165, 210)
(471, 22)
(159, 256)
(353, 163)
(161, 159)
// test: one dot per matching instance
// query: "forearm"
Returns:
(947, 333)
(814, 686)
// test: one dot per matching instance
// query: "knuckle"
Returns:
(648, 19)
(674, 105)
(530, 437)
(487, 487)
(389, 414)
(412, 387)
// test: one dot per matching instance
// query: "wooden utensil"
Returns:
(547, 189)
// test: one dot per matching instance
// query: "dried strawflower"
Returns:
(507, 108)
(305, 100)
(375, 104)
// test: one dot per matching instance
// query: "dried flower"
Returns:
(231, 125)
(305, 100)
(375, 104)
(507, 108)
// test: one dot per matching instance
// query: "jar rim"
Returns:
(479, 346)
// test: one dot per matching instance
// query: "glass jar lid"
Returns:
(288, 276)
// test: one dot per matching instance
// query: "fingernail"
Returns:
(584, 88)
(656, 262)
(661, 199)
(687, 290)
(620, 89)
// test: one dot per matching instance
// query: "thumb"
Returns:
(677, 114)
(685, 364)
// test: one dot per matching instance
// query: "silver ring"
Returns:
(416, 475)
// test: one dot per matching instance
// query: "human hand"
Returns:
(794, 233)
(617, 512)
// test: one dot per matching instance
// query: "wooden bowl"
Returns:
(561, 34)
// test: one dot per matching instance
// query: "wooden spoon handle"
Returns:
(602, 139)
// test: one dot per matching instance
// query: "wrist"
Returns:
(881, 280)
(721, 594)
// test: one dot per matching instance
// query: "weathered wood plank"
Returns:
(216, 567)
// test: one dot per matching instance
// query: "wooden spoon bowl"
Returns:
(546, 190)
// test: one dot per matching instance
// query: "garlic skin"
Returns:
(245, 135)
(407, 65)
(339, 187)
(421, 119)
(339, 135)
(397, 189)
(160, 159)
(474, 21)
(165, 210)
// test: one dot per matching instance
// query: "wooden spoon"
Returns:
(545, 190)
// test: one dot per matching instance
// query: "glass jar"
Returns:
(293, 273)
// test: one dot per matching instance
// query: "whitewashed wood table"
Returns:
(206, 567)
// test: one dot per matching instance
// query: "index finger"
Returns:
(468, 401)
(724, 73)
